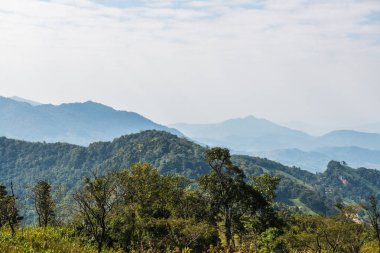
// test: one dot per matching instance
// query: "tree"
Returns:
(160, 212)
(266, 184)
(229, 194)
(95, 202)
(8, 210)
(186, 233)
(372, 209)
(44, 203)
(268, 240)
(142, 207)
(313, 233)
(267, 216)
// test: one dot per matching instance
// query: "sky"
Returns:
(313, 65)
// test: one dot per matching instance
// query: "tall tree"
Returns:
(266, 217)
(95, 202)
(266, 184)
(159, 211)
(228, 192)
(44, 203)
(373, 211)
(9, 213)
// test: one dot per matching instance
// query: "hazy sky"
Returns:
(315, 61)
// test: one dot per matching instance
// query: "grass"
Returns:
(49, 240)
(297, 202)
(298, 181)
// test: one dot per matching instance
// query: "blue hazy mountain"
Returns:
(373, 127)
(316, 160)
(348, 138)
(19, 99)
(77, 123)
(252, 135)
(246, 134)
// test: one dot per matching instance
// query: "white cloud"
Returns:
(293, 60)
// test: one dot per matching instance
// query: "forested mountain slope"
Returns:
(24, 163)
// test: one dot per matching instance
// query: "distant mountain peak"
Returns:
(88, 104)
(24, 100)
(78, 123)
(250, 117)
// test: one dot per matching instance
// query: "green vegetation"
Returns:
(9, 213)
(64, 166)
(139, 209)
(44, 204)
(155, 192)
(51, 239)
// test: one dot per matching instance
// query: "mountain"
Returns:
(317, 159)
(19, 99)
(251, 135)
(348, 138)
(373, 127)
(246, 134)
(350, 184)
(77, 123)
(65, 165)
(309, 160)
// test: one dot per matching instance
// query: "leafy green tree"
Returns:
(268, 241)
(159, 211)
(44, 204)
(9, 213)
(227, 191)
(266, 184)
(95, 202)
(186, 233)
(324, 234)
(143, 204)
(373, 212)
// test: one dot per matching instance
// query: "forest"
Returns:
(64, 166)
(139, 209)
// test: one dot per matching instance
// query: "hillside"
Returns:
(77, 123)
(64, 164)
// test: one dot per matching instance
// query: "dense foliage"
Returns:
(140, 210)
(64, 166)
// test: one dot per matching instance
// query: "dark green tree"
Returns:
(95, 202)
(9, 213)
(228, 193)
(44, 204)
(266, 184)
(159, 211)
(373, 212)
(313, 233)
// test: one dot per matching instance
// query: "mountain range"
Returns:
(76, 123)
(84, 123)
(66, 165)
(264, 138)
